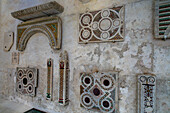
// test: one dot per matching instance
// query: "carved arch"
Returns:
(50, 26)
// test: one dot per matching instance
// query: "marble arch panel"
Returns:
(50, 26)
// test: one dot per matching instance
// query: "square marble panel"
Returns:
(26, 80)
(146, 93)
(102, 26)
(99, 91)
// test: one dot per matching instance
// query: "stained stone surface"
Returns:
(139, 53)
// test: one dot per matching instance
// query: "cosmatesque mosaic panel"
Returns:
(64, 80)
(99, 91)
(50, 26)
(162, 19)
(26, 80)
(49, 95)
(102, 26)
(146, 93)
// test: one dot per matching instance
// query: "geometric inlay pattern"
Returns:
(146, 93)
(102, 26)
(26, 80)
(49, 95)
(64, 79)
(100, 91)
(162, 19)
(50, 26)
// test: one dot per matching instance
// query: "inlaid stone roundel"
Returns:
(103, 25)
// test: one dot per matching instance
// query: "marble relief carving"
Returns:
(99, 91)
(50, 26)
(64, 79)
(44, 10)
(8, 40)
(26, 80)
(102, 26)
(162, 19)
(146, 93)
(49, 95)
(15, 57)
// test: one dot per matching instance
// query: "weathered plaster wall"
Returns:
(139, 53)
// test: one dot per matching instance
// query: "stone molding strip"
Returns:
(43, 10)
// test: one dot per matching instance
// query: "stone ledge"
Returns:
(43, 10)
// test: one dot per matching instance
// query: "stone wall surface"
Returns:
(138, 53)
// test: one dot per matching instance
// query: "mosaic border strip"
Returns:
(64, 79)
(49, 95)
(146, 93)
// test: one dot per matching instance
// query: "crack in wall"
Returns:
(140, 63)
(121, 52)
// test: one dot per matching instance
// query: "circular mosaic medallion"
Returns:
(30, 75)
(30, 88)
(106, 104)
(25, 81)
(105, 13)
(20, 74)
(105, 24)
(151, 79)
(107, 81)
(86, 100)
(142, 78)
(86, 34)
(116, 23)
(19, 86)
(86, 19)
(105, 35)
(95, 26)
(87, 80)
